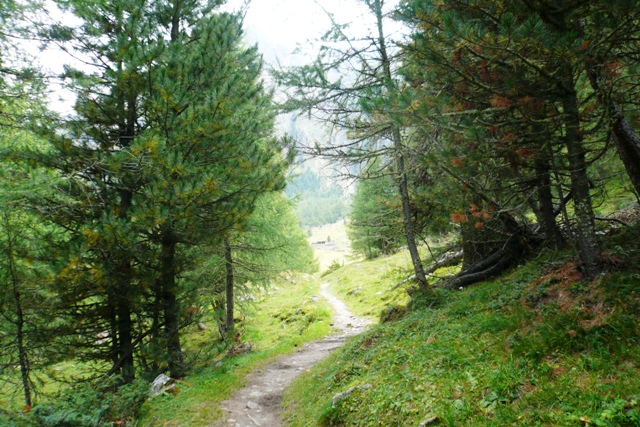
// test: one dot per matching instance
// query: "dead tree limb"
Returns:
(447, 261)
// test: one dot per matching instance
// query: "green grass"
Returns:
(278, 322)
(366, 286)
(528, 349)
(340, 249)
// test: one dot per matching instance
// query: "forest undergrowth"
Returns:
(277, 321)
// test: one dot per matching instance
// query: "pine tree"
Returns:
(210, 147)
(375, 226)
(365, 104)
(252, 255)
(26, 340)
(509, 89)
(171, 148)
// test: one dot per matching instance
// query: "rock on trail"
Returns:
(258, 403)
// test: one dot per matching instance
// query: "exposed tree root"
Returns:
(514, 249)
(495, 264)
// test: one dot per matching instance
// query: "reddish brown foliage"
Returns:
(500, 102)
(459, 218)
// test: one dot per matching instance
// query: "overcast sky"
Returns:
(278, 26)
(286, 22)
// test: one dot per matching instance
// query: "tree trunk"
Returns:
(584, 232)
(113, 330)
(170, 306)
(408, 217)
(497, 263)
(23, 358)
(546, 211)
(399, 158)
(123, 303)
(125, 339)
(229, 324)
(624, 137)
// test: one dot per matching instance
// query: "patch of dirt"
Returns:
(258, 402)
(568, 289)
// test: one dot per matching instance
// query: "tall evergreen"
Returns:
(171, 147)
(354, 85)
(25, 300)
(505, 90)
(375, 226)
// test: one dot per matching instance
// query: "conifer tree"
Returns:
(210, 147)
(364, 104)
(506, 79)
(24, 298)
(253, 254)
(375, 226)
(171, 148)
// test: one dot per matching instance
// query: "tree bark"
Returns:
(624, 137)
(113, 330)
(122, 300)
(584, 232)
(546, 211)
(444, 262)
(170, 307)
(125, 338)
(396, 137)
(23, 359)
(497, 263)
(229, 323)
(22, 351)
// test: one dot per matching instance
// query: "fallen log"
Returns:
(447, 261)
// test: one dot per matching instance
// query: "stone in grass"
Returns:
(428, 422)
(343, 395)
(158, 384)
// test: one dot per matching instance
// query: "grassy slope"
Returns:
(539, 347)
(365, 285)
(279, 321)
(338, 251)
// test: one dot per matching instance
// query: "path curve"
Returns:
(258, 403)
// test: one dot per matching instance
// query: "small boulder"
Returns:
(428, 422)
(252, 405)
(345, 394)
(158, 384)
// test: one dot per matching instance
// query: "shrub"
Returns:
(335, 265)
(89, 405)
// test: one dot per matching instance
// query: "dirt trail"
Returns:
(258, 403)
